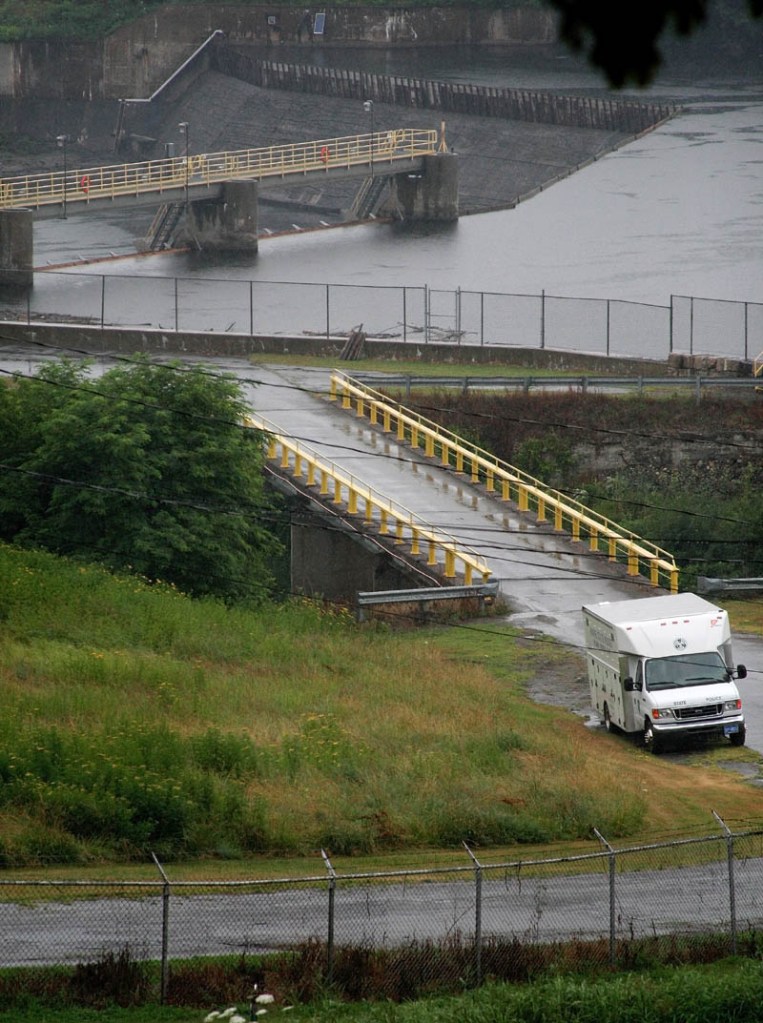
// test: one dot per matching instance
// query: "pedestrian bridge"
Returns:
(372, 497)
(81, 189)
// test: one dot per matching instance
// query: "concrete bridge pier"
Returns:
(431, 195)
(16, 249)
(228, 223)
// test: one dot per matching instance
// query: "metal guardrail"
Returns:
(485, 593)
(573, 383)
(507, 481)
(706, 584)
(334, 485)
(86, 184)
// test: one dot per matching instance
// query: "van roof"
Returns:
(648, 609)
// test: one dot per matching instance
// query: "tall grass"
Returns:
(138, 720)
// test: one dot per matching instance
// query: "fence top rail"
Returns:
(399, 512)
(484, 459)
(315, 879)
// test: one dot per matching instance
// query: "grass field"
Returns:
(136, 719)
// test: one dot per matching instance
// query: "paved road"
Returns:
(545, 904)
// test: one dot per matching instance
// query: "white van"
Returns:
(662, 667)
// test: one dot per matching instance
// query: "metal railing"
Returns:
(602, 898)
(331, 484)
(86, 184)
(507, 482)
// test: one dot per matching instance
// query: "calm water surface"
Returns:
(679, 211)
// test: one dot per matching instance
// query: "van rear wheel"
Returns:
(609, 725)
(652, 741)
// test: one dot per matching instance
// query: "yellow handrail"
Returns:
(389, 519)
(508, 482)
(84, 184)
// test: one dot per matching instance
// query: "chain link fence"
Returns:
(416, 315)
(475, 920)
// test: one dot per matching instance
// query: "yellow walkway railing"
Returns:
(390, 520)
(508, 482)
(757, 368)
(82, 185)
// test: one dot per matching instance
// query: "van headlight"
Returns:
(657, 714)
(732, 705)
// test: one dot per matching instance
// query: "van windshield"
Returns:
(685, 670)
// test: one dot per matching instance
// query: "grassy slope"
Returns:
(288, 730)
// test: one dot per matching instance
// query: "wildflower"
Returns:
(261, 1012)
(211, 1017)
(265, 999)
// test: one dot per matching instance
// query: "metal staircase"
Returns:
(369, 198)
(161, 233)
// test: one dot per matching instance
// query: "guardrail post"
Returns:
(165, 965)
(477, 917)
(330, 934)
(612, 913)
(732, 886)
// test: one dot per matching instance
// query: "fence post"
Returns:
(176, 304)
(328, 313)
(251, 308)
(103, 299)
(670, 327)
(405, 314)
(612, 914)
(482, 318)
(165, 964)
(330, 935)
(608, 325)
(543, 318)
(477, 917)
(732, 886)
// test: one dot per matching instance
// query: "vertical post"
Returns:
(165, 931)
(691, 325)
(482, 318)
(330, 935)
(405, 315)
(477, 917)
(62, 141)
(458, 314)
(612, 913)
(103, 300)
(176, 304)
(368, 106)
(251, 308)
(543, 318)
(608, 324)
(328, 312)
(427, 312)
(746, 329)
(732, 886)
(185, 130)
(670, 334)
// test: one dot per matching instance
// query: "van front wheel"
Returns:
(737, 738)
(652, 741)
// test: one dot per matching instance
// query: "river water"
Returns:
(677, 212)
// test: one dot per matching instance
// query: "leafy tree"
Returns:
(147, 469)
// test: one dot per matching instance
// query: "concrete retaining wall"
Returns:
(81, 338)
(135, 59)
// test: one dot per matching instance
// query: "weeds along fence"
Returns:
(409, 315)
(472, 920)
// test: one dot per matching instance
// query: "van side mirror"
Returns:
(741, 671)
(630, 686)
